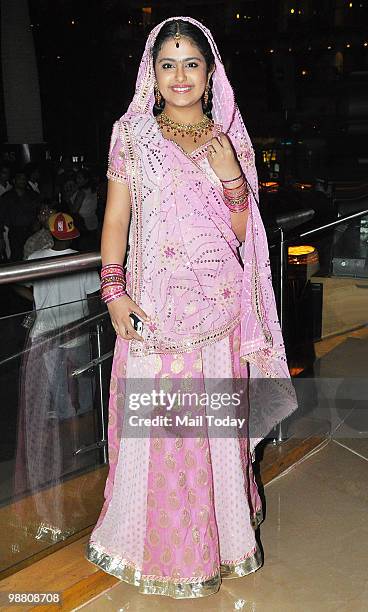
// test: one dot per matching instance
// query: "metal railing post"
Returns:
(100, 385)
(278, 437)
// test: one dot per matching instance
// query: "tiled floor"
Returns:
(315, 541)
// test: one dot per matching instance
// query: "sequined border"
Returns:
(116, 176)
(136, 197)
(150, 585)
(184, 346)
(242, 567)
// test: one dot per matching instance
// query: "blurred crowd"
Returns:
(31, 194)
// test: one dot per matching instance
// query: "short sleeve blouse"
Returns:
(116, 170)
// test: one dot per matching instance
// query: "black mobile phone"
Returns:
(136, 322)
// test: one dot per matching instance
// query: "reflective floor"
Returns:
(315, 542)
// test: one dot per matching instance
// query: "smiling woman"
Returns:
(180, 511)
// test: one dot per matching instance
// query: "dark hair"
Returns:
(30, 168)
(88, 177)
(196, 35)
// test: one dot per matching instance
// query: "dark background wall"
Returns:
(299, 67)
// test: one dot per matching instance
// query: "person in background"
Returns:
(84, 204)
(42, 238)
(68, 190)
(5, 185)
(56, 406)
(64, 169)
(63, 298)
(18, 212)
(33, 177)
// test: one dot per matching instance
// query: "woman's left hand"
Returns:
(222, 158)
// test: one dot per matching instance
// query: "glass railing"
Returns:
(55, 368)
(324, 310)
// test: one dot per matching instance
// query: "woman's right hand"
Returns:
(120, 310)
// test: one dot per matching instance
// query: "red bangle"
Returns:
(233, 180)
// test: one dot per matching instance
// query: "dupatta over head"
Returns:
(151, 165)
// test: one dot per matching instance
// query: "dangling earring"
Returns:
(158, 96)
(206, 95)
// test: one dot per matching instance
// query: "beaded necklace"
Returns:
(196, 130)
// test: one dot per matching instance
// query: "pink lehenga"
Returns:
(180, 511)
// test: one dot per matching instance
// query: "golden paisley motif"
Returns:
(170, 461)
(158, 444)
(205, 553)
(192, 498)
(174, 502)
(146, 554)
(112, 419)
(177, 365)
(151, 500)
(203, 515)
(187, 382)
(185, 518)
(208, 456)
(211, 532)
(153, 537)
(202, 477)
(179, 443)
(200, 442)
(166, 556)
(166, 383)
(182, 479)
(175, 537)
(188, 556)
(164, 519)
(189, 459)
(160, 480)
(175, 573)
(157, 363)
(198, 365)
(155, 570)
(195, 535)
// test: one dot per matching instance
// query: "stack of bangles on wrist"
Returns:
(113, 282)
(236, 198)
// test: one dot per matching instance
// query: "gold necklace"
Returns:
(196, 130)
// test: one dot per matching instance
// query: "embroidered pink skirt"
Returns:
(180, 513)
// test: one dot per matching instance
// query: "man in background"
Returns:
(18, 213)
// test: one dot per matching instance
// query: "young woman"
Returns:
(180, 511)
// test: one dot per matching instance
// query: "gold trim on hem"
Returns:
(242, 568)
(126, 571)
